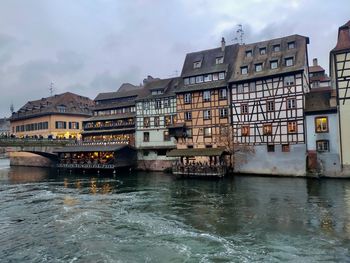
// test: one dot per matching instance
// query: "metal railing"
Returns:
(22, 142)
(85, 166)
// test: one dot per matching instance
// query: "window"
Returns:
(244, 108)
(206, 95)
(158, 104)
(292, 127)
(222, 75)
(188, 98)
(61, 109)
(276, 48)
(215, 76)
(291, 45)
(74, 125)
(223, 112)
(289, 80)
(271, 148)
(289, 62)
(321, 124)
(146, 105)
(291, 103)
(206, 114)
(199, 79)
(245, 130)
(258, 67)
(157, 92)
(285, 148)
(167, 120)
(322, 146)
(208, 78)
(192, 80)
(166, 136)
(222, 94)
(146, 136)
(274, 64)
(240, 88)
(197, 64)
(249, 53)
(267, 129)
(156, 121)
(207, 132)
(188, 115)
(244, 70)
(270, 106)
(189, 133)
(186, 81)
(252, 87)
(61, 125)
(262, 51)
(146, 122)
(219, 60)
(166, 103)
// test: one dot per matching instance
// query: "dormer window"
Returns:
(289, 62)
(61, 109)
(192, 80)
(157, 92)
(197, 64)
(249, 53)
(222, 75)
(291, 45)
(258, 67)
(199, 79)
(219, 60)
(187, 81)
(244, 70)
(276, 48)
(262, 51)
(208, 78)
(274, 64)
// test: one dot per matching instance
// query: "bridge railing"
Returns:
(23, 142)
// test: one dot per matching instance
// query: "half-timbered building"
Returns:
(268, 86)
(155, 113)
(202, 97)
(340, 75)
(113, 117)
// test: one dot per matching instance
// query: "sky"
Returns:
(93, 46)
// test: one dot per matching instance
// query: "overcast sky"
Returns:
(92, 46)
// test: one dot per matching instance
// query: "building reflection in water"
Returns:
(90, 185)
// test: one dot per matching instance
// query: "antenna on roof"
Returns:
(12, 108)
(239, 34)
(51, 88)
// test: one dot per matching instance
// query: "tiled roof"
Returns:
(318, 100)
(343, 42)
(314, 69)
(168, 87)
(66, 103)
(127, 90)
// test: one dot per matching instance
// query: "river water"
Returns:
(152, 217)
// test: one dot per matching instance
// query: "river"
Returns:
(152, 217)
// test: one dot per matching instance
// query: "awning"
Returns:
(91, 148)
(161, 147)
(194, 152)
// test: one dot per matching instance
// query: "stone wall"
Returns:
(29, 159)
(154, 165)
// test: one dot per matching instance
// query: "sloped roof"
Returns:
(168, 86)
(318, 100)
(343, 42)
(72, 104)
(124, 93)
(317, 68)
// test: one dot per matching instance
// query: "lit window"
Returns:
(206, 114)
(267, 129)
(292, 127)
(222, 93)
(291, 45)
(270, 148)
(199, 79)
(249, 53)
(167, 120)
(245, 130)
(285, 148)
(207, 132)
(222, 75)
(244, 70)
(219, 60)
(276, 48)
(291, 103)
(188, 115)
(274, 64)
(289, 80)
(223, 112)
(258, 67)
(146, 136)
(166, 136)
(321, 124)
(146, 122)
(262, 51)
(244, 108)
(208, 78)
(206, 95)
(187, 81)
(322, 146)
(289, 62)
(270, 106)
(188, 98)
(197, 64)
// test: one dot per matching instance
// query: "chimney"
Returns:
(314, 62)
(223, 44)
